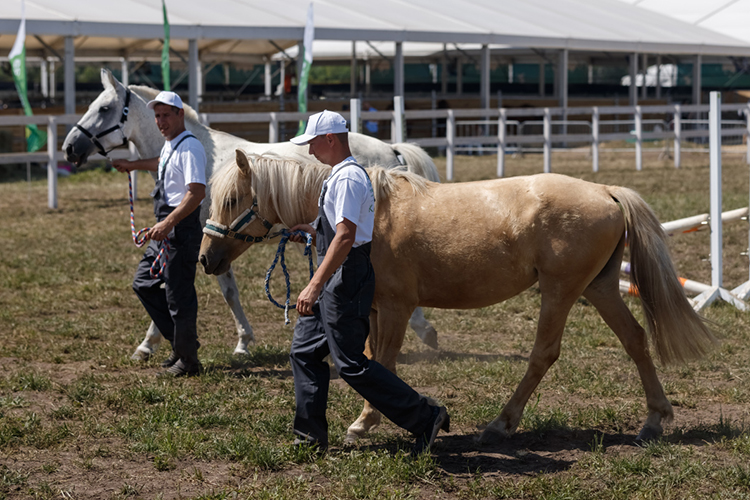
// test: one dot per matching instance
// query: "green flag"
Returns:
(307, 60)
(35, 138)
(165, 50)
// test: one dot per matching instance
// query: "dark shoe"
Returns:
(171, 360)
(439, 420)
(181, 369)
(316, 446)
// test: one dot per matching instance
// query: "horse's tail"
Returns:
(417, 160)
(677, 332)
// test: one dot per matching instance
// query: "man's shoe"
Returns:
(316, 446)
(181, 369)
(439, 420)
(171, 360)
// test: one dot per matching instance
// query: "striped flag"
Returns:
(165, 50)
(35, 138)
(307, 60)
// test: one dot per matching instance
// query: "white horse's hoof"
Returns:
(430, 338)
(241, 351)
(141, 355)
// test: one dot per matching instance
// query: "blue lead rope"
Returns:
(285, 234)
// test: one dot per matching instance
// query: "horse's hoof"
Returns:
(241, 352)
(490, 436)
(140, 355)
(648, 433)
(430, 339)
(350, 439)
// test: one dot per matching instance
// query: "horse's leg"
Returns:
(232, 298)
(424, 330)
(604, 294)
(387, 330)
(149, 345)
(552, 317)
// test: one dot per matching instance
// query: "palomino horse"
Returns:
(474, 244)
(108, 125)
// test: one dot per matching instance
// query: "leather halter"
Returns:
(95, 138)
(219, 230)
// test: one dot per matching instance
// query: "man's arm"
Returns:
(150, 164)
(342, 243)
(192, 199)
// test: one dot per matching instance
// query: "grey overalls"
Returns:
(174, 307)
(339, 326)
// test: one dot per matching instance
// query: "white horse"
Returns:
(119, 115)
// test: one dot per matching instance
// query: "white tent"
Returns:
(250, 31)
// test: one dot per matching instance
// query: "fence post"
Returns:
(355, 116)
(595, 139)
(677, 135)
(501, 124)
(547, 141)
(638, 138)
(397, 131)
(52, 162)
(273, 128)
(133, 157)
(450, 136)
(747, 138)
(714, 138)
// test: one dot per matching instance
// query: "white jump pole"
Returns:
(714, 137)
(716, 292)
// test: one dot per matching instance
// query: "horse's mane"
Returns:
(149, 94)
(279, 182)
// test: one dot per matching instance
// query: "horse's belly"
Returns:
(470, 292)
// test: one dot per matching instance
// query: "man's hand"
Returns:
(301, 239)
(123, 166)
(161, 230)
(307, 299)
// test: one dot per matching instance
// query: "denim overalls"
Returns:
(339, 326)
(173, 306)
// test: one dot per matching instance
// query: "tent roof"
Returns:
(244, 29)
(729, 17)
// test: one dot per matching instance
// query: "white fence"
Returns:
(501, 130)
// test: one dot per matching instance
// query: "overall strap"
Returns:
(164, 165)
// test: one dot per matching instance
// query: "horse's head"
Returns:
(104, 126)
(235, 222)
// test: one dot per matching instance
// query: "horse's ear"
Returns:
(242, 162)
(108, 79)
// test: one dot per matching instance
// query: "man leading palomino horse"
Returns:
(474, 244)
(335, 306)
(119, 115)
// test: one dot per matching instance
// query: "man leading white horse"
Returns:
(170, 298)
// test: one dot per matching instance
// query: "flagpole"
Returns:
(307, 59)
(165, 50)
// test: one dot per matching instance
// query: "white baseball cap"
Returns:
(325, 122)
(166, 97)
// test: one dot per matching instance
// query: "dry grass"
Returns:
(78, 419)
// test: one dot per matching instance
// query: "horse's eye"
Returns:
(104, 109)
(230, 203)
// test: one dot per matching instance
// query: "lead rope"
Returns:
(285, 234)
(140, 238)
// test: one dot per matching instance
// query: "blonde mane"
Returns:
(288, 187)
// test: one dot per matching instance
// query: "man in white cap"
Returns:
(170, 299)
(335, 306)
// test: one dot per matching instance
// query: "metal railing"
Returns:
(501, 130)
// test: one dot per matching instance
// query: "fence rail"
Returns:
(499, 130)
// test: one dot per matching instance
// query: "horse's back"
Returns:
(473, 244)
